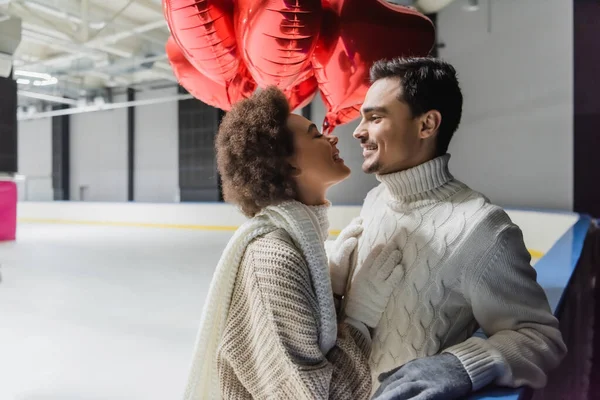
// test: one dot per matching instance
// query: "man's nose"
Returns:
(359, 132)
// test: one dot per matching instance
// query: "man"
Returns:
(464, 262)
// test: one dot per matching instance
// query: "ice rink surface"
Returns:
(92, 312)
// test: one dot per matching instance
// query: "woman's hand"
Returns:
(373, 285)
(339, 252)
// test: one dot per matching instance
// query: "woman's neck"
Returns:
(311, 197)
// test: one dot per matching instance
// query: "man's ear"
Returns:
(430, 124)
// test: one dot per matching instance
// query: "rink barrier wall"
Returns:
(540, 229)
(555, 273)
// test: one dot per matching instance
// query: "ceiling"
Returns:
(78, 49)
(82, 52)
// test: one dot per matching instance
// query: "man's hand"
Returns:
(339, 253)
(440, 377)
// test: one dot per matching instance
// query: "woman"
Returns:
(269, 326)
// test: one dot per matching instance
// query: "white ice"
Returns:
(98, 313)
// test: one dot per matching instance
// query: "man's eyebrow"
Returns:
(368, 110)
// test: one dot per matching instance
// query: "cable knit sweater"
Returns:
(270, 348)
(465, 265)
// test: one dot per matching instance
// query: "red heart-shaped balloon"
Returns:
(302, 92)
(205, 89)
(355, 34)
(203, 30)
(277, 38)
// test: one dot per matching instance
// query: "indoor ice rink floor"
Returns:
(91, 310)
(96, 313)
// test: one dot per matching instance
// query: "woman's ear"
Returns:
(294, 165)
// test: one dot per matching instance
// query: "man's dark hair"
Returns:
(427, 84)
(253, 148)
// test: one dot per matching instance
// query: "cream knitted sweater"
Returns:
(465, 265)
(270, 347)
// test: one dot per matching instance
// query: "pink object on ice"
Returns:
(8, 210)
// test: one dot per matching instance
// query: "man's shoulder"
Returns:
(489, 221)
(484, 232)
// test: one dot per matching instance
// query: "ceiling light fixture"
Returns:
(42, 78)
(32, 74)
(51, 81)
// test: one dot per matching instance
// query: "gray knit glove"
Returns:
(373, 285)
(339, 253)
(440, 377)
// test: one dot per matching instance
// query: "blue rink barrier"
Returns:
(569, 286)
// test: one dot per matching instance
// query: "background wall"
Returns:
(156, 149)
(99, 155)
(35, 159)
(515, 142)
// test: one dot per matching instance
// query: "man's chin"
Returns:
(370, 167)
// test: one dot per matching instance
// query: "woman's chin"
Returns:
(343, 173)
(346, 170)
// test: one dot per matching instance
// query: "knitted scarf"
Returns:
(307, 231)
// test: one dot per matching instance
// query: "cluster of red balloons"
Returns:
(222, 50)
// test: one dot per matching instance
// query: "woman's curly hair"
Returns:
(253, 147)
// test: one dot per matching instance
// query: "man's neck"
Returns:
(408, 164)
(416, 182)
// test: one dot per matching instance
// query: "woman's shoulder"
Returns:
(276, 250)
(277, 236)
(277, 239)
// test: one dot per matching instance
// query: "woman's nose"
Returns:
(332, 139)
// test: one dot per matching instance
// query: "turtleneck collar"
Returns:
(429, 181)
